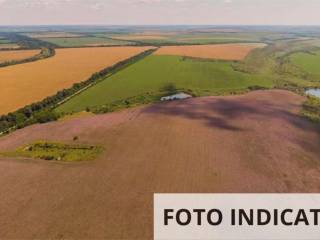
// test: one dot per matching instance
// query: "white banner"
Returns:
(237, 216)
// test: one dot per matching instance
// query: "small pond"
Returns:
(314, 92)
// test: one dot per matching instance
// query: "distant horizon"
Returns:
(159, 12)
(159, 25)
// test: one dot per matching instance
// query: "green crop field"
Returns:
(84, 41)
(155, 72)
(308, 62)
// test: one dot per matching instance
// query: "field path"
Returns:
(249, 143)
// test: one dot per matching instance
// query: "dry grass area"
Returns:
(250, 143)
(53, 35)
(27, 83)
(216, 51)
(6, 56)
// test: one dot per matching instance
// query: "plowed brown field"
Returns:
(216, 51)
(251, 143)
(17, 55)
(27, 83)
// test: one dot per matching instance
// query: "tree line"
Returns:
(45, 53)
(43, 111)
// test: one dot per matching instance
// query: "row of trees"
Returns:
(45, 53)
(26, 42)
(43, 111)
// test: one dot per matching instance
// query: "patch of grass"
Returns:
(153, 73)
(311, 109)
(51, 151)
(308, 61)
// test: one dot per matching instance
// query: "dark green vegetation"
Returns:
(149, 76)
(274, 61)
(26, 42)
(311, 109)
(42, 112)
(56, 152)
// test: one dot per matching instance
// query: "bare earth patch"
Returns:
(216, 51)
(6, 56)
(31, 82)
(250, 143)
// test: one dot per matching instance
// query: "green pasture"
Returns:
(307, 61)
(154, 73)
(56, 152)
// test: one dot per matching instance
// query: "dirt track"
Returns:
(250, 143)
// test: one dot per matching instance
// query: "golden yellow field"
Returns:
(17, 55)
(27, 83)
(217, 51)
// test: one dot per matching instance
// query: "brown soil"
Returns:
(31, 82)
(216, 51)
(250, 143)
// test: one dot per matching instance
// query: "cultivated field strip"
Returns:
(14, 55)
(24, 84)
(247, 143)
(216, 51)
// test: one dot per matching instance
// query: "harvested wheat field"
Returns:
(216, 51)
(27, 83)
(250, 143)
(6, 56)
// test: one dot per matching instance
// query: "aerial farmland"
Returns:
(7, 56)
(86, 138)
(67, 67)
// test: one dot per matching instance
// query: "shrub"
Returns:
(46, 116)
(311, 109)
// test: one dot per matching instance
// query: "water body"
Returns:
(314, 92)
